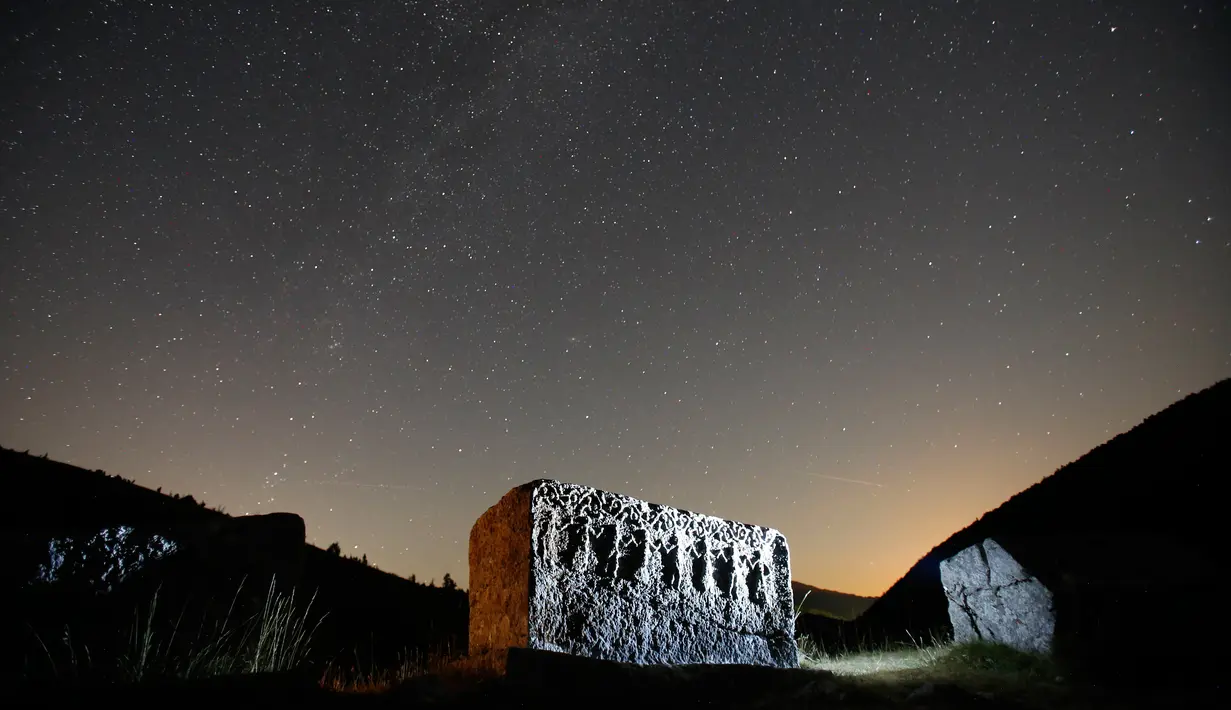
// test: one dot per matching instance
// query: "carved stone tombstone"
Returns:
(993, 598)
(561, 567)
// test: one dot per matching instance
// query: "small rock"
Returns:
(922, 691)
(825, 687)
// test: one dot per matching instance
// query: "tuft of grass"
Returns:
(74, 664)
(800, 609)
(410, 664)
(213, 653)
(136, 663)
(275, 639)
(283, 636)
(869, 661)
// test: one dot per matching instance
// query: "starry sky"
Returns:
(859, 272)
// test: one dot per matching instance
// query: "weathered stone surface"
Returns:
(992, 598)
(561, 567)
(500, 575)
(102, 560)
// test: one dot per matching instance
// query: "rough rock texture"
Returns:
(992, 598)
(104, 559)
(500, 575)
(561, 567)
(271, 544)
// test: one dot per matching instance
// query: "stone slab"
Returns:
(561, 567)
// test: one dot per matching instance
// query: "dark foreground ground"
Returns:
(544, 680)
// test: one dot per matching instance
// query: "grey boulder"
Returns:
(993, 598)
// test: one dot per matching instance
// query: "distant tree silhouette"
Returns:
(334, 548)
(365, 559)
(447, 582)
(413, 580)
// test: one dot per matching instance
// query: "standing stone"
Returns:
(561, 567)
(268, 545)
(992, 598)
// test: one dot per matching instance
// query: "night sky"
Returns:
(857, 273)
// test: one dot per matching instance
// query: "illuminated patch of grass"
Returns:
(982, 669)
(996, 659)
(866, 661)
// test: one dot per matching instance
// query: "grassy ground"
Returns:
(928, 676)
(980, 670)
(989, 675)
(352, 677)
(159, 644)
(276, 640)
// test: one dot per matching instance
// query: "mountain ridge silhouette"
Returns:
(1128, 536)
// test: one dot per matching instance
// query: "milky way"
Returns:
(856, 273)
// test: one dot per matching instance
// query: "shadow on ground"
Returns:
(544, 679)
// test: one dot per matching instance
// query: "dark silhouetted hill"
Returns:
(374, 617)
(1132, 530)
(835, 605)
(42, 493)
